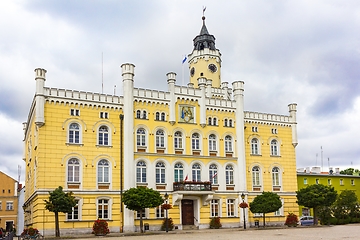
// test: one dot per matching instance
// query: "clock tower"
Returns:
(205, 59)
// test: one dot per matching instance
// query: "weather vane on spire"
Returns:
(204, 8)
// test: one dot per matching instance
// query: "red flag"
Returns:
(186, 178)
(214, 175)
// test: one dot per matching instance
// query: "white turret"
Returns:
(201, 85)
(39, 96)
(238, 88)
(171, 83)
(128, 110)
(292, 111)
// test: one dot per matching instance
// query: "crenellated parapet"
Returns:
(266, 118)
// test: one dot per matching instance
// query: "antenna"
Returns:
(19, 173)
(321, 158)
(102, 72)
(329, 162)
(114, 90)
(316, 159)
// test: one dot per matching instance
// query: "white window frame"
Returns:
(102, 205)
(195, 141)
(160, 171)
(141, 137)
(228, 144)
(73, 176)
(70, 216)
(73, 133)
(104, 135)
(141, 172)
(256, 176)
(178, 172)
(212, 143)
(178, 140)
(160, 138)
(255, 149)
(280, 211)
(229, 174)
(74, 112)
(274, 148)
(159, 212)
(230, 207)
(276, 177)
(196, 172)
(9, 205)
(213, 173)
(104, 115)
(215, 208)
(101, 171)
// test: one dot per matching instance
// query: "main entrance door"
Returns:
(187, 212)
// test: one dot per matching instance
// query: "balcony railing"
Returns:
(192, 186)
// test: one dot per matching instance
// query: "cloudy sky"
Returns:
(307, 52)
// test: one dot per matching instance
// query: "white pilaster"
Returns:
(238, 88)
(129, 168)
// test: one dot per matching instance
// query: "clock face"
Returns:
(212, 68)
(192, 71)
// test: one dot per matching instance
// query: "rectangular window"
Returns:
(214, 208)
(305, 181)
(9, 206)
(230, 207)
(329, 181)
(160, 213)
(317, 181)
(104, 115)
(280, 211)
(352, 182)
(74, 215)
(254, 129)
(0, 205)
(103, 208)
(341, 182)
(143, 214)
(160, 175)
(74, 112)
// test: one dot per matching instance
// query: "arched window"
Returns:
(160, 138)
(141, 137)
(225, 122)
(162, 116)
(157, 116)
(74, 133)
(195, 141)
(254, 146)
(209, 121)
(196, 172)
(212, 142)
(103, 171)
(104, 135)
(141, 172)
(160, 172)
(230, 123)
(178, 172)
(214, 121)
(229, 174)
(144, 115)
(138, 114)
(274, 148)
(228, 144)
(213, 171)
(256, 176)
(276, 176)
(178, 140)
(74, 170)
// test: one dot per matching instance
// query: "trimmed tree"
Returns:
(315, 196)
(59, 201)
(267, 202)
(345, 204)
(137, 199)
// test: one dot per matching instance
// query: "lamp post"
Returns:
(166, 220)
(243, 199)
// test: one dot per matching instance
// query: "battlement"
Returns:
(266, 117)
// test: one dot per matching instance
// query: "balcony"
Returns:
(192, 186)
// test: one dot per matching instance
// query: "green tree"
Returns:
(350, 171)
(345, 204)
(137, 199)
(59, 201)
(315, 196)
(267, 202)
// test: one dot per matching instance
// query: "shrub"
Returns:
(215, 223)
(30, 231)
(170, 224)
(100, 227)
(291, 220)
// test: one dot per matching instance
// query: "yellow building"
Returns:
(195, 143)
(8, 201)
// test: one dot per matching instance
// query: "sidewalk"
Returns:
(351, 231)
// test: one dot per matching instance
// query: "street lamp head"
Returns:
(242, 196)
(166, 196)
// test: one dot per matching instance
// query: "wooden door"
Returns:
(187, 212)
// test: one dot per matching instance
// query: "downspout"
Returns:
(121, 173)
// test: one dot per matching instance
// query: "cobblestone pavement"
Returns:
(322, 232)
